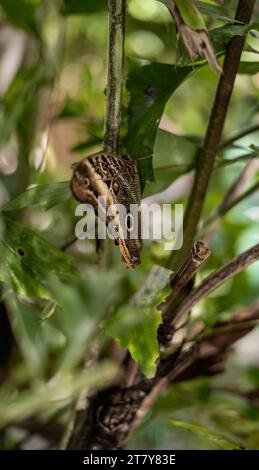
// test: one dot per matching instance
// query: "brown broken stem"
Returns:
(215, 280)
(196, 41)
(198, 255)
(112, 415)
(201, 359)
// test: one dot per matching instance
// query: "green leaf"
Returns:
(188, 11)
(173, 156)
(53, 395)
(190, 14)
(215, 11)
(248, 68)
(192, 393)
(21, 92)
(220, 38)
(87, 144)
(89, 299)
(43, 195)
(204, 432)
(135, 326)
(222, 35)
(149, 87)
(69, 7)
(24, 319)
(29, 262)
(26, 14)
(73, 108)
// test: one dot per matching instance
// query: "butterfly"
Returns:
(115, 180)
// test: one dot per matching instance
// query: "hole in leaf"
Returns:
(150, 91)
(20, 252)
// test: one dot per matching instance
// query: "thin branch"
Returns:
(198, 255)
(146, 405)
(233, 197)
(228, 142)
(213, 134)
(182, 186)
(200, 358)
(69, 242)
(215, 280)
(113, 414)
(80, 424)
(223, 162)
(117, 12)
(237, 188)
(234, 202)
(181, 284)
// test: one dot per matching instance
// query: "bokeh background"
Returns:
(53, 59)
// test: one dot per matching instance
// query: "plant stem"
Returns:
(196, 258)
(249, 130)
(204, 357)
(228, 206)
(213, 135)
(81, 422)
(217, 279)
(117, 12)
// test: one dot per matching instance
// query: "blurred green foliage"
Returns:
(55, 295)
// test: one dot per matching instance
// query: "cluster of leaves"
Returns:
(51, 298)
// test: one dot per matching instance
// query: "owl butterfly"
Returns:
(116, 180)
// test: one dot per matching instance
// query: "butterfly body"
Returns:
(116, 180)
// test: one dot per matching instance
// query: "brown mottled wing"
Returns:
(116, 179)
